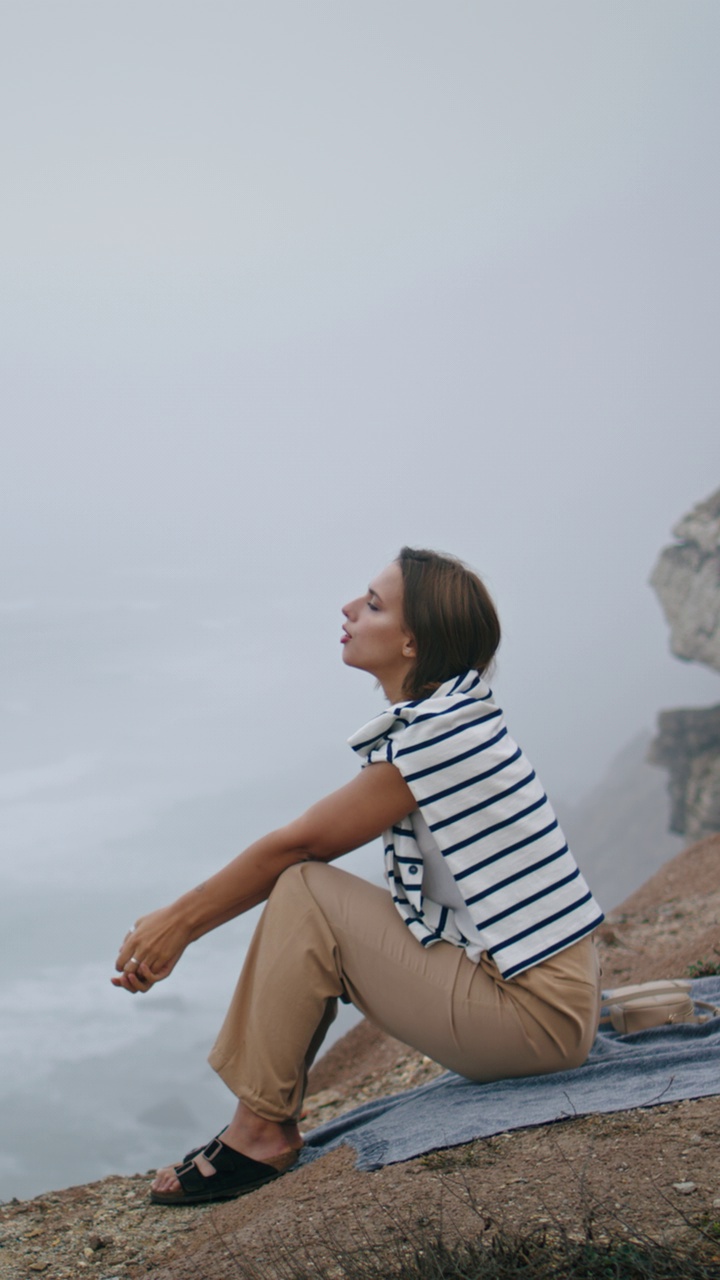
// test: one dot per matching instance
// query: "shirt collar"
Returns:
(366, 739)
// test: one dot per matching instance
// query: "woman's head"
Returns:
(423, 620)
(451, 617)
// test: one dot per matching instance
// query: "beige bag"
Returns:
(653, 1004)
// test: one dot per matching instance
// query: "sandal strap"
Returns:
(190, 1178)
(225, 1159)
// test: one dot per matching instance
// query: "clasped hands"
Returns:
(150, 951)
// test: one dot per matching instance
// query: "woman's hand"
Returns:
(151, 950)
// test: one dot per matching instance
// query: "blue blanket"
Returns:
(623, 1071)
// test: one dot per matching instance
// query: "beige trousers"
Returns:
(326, 934)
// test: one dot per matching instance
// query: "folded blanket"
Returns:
(644, 1069)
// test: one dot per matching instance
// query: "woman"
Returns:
(480, 955)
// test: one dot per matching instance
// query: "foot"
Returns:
(233, 1174)
(264, 1141)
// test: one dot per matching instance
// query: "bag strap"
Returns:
(662, 987)
(707, 1017)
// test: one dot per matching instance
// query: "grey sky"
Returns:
(286, 286)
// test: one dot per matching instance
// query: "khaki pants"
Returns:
(326, 934)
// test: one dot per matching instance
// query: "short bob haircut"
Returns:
(451, 617)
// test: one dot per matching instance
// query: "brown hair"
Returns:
(451, 617)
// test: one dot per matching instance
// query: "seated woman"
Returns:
(479, 953)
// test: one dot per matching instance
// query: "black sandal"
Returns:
(235, 1175)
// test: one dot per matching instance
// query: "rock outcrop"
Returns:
(687, 581)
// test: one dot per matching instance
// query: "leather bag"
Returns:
(653, 1004)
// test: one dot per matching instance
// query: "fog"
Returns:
(285, 288)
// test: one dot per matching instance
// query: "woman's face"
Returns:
(375, 638)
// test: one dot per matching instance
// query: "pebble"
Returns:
(684, 1188)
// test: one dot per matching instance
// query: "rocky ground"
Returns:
(654, 1172)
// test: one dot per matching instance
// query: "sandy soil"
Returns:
(654, 1171)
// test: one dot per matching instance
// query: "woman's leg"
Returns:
(325, 933)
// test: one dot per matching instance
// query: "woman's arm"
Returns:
(344, 820)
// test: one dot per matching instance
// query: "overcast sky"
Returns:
(285, 286)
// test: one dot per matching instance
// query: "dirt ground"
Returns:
(652, 1172)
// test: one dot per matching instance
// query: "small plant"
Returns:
(473, 1153)
(705, 968)
(710, 1227)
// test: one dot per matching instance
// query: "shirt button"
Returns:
(413, 871)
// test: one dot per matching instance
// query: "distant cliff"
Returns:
(619, 831)
(687, 581)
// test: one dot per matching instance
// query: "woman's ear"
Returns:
(409, 650)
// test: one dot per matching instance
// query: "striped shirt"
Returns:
(493, 824)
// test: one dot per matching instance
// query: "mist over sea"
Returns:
(135, 760)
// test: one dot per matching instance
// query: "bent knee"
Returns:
(307, 873)
(575, 1058)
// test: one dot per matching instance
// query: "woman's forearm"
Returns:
(242, 884)
(153, 947)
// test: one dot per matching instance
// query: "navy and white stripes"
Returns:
(492, 822)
